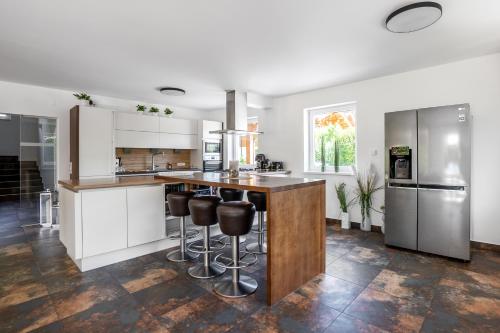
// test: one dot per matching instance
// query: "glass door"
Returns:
(37, 164)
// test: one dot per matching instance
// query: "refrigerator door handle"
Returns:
(402, 186)
(441, 188)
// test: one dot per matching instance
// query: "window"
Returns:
(249, 144)
(330, 138)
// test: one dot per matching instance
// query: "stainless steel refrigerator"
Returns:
(427, 180)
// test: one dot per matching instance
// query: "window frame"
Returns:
(252, 164)
(309, 114)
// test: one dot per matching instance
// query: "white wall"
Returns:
(475, 81)
(39, 101)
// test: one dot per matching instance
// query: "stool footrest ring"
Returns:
(190, 233)
(215, 246)
(229, 263)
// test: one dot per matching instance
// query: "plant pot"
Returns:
(382, 227)
(366, 224)
(345, 222)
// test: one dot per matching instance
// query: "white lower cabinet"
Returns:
(104, 221)
(146, 214)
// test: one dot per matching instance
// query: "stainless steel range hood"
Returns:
(236, 115)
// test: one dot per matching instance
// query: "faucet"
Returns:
(153, 166)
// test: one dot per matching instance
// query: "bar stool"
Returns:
(178, 205)
(231, 194)
(235, 220)
(259, 200)
(203, 213)
(228, 195)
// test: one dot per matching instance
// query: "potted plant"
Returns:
(345, 203)
(154, 109)
(141, 108)
(367, 186)
(168, 112)
(84, 99)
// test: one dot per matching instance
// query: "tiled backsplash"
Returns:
(133, 159)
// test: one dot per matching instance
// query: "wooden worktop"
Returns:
(254, 182)
(89, 184)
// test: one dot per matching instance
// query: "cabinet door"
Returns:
(97, 153)
(146, 214)
(209, 125)
(178, 141)
(134, 139)
(104, 221)
(178, 126)
(136, 122)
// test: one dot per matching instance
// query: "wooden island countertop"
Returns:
(296, 227)
(90, 184)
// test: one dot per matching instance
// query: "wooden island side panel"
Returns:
(296, 239)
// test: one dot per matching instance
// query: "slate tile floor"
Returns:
(367, 288)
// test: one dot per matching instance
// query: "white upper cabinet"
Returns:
(136, 139)
(178, 141)
(136, 122)
(210, 125)
(96, 151)
(178, 126)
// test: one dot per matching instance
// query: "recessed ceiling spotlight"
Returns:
(414, 17)
(171, 91)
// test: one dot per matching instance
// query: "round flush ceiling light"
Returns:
(414, 17)
(171, 91)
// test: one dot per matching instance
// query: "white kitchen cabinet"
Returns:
(136, 122)
(104, 221)
(210, 125)
(178, 141)
(96, 151)
(146, 214)
(135, 139)
(178, 126)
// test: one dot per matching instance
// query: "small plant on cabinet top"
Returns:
(141, 108)
(84, 97)
(154, 109)
(168, 112)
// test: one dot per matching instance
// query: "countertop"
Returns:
(88, 184)
(252, 182)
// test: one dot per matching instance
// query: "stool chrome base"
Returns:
(244, 287)
(257, 248)
(181, 256)
(200, 271)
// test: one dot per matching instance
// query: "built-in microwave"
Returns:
(212, 147)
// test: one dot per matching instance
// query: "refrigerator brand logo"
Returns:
(461, 117)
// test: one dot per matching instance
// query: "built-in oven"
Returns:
(212, 147)
(212, 165)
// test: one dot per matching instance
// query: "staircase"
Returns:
(19, 179)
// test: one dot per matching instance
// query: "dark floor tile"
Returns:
(353, 271)
(471, 282)
(19, 249)
(387, 312)
(11, 232)
(27, 316)
(431, 266)
(65, 280)
(119, 315)
(348, 324)
(17, 268)
(462, 307)
(50, 252)
(85, 296)
(413, 286)
(144, 276)
(296, 313)
(57, 265)
(6, 241)
(35, 233)
(206, 313)
(331, 291)
(371, 256)
(20, 292)
(482, 261)
(166, 296)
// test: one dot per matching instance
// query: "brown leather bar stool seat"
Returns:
(235, 220)
(178, 206)
(231, 194)
(259, 200)
(204, 213)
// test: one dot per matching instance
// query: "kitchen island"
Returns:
(295, 225)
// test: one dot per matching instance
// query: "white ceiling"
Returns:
(128, 48)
